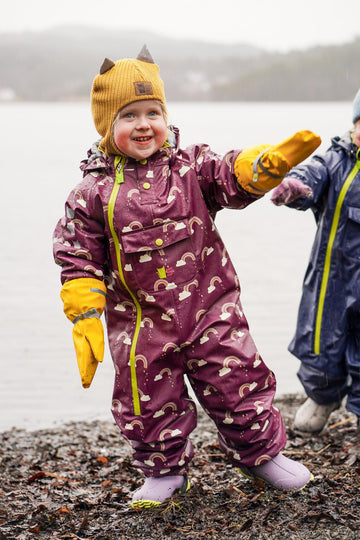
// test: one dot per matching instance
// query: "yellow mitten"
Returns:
(84, 301)
(261, 168)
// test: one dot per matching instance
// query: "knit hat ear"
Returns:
(356, 108)
(106, 65)
(145, 56)
(120, 83)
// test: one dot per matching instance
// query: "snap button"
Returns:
(146, 185)
(159, 242)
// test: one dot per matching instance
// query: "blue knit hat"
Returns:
(356, 107)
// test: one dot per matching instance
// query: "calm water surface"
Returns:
(42, 146)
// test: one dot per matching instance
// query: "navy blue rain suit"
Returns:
(327, 337)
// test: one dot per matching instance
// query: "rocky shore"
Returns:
(75, 482)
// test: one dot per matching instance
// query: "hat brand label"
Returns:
(143, 88)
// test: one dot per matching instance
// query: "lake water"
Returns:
(42, 145)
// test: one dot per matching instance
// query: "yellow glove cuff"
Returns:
(81, 296)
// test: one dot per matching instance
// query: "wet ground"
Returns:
(75, 482)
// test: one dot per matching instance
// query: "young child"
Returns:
(139, 235)
(327, 338)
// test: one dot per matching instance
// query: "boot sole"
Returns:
(144, 503)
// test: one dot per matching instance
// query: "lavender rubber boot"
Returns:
(281, 473)
(157, 490)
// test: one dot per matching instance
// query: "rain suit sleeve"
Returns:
(217, 179)
(79, 242)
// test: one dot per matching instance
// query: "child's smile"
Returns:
(139, 129)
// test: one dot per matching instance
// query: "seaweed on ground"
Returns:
(75, 482)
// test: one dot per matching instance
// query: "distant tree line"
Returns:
(59, 64)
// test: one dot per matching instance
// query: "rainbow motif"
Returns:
(141, 358)
(133, 225)
(124, 305)
(182, 260)
(228, 419)
(116, 406)
(77, 222)
(96, 271)
(144, 397)
(195, 361)
(131, 425)
(178, 225)
(205, 252)
(185, 293)
(162, 411)
(205, 337)
(199, 314)
(193, 220)
(132, 192)
(225, 314)
(171, 432)
(125, 337)
(208, 389)
(259, 406)
(169, 345)
(236, 335)
(80, 199)
(247, 386)
(147, 322)
(171, 196)
(157, 455)
(160, 283)
(83, 254)
(160, 375)
(147, 296)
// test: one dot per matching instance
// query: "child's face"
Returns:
(357, 133)
(140, 129)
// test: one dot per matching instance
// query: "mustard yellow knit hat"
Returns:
(118, 84)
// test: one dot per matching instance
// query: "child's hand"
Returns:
(289, 190)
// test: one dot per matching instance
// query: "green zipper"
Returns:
(325, 277)
(119, 179)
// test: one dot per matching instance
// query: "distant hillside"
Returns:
(59, 64)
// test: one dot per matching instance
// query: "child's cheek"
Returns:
(357, 133)
(120, 140)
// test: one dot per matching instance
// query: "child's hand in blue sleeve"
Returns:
(289, 190)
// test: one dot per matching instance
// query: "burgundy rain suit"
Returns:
(173, 304)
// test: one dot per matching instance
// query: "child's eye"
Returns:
(155, 113)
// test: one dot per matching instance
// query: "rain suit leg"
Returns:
(230, 380)
(236, 389)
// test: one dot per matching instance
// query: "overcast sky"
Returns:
(279, 25)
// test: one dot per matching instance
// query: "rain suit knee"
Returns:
(327, 337)
(173, 304)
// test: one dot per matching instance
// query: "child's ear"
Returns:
(106, 65)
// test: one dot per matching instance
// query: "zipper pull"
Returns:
(119, 163)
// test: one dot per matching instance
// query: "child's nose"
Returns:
(143, 122)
